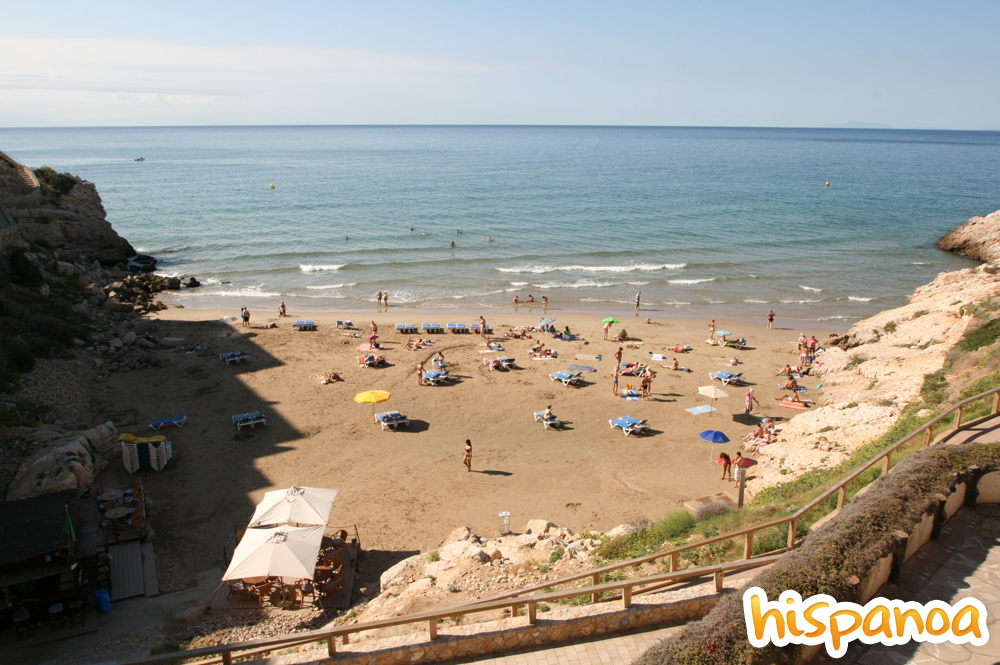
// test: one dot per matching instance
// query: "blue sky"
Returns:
(792, 64)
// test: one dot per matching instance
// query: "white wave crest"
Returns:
(691, 281)
(331, 286)
(321, 268)
(638, 283)
(800, 302)
(811, 288)
(912, 263)
(518, 283)
(859, 299)
(755, 301)
(579, 284)
(540, 270)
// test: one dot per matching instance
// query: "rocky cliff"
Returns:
(60, 212)
(978, 238)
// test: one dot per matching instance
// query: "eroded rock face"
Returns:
(62, 463)
(979, 238)
(71, 217)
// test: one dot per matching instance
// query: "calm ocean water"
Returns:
(700, 220)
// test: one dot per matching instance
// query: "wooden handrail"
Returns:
(528, 595)
(226, 652)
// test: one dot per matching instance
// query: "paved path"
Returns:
(622, 648)
(964, 562)
(987, 432)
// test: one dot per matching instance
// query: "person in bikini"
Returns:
(467, 460)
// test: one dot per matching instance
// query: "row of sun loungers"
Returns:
(305, 325)
(410, 328)
(234, 356)
(251, 419)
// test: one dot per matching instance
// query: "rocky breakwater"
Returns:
(872, 374)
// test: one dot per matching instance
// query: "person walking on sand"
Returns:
(373, 329)
(467, 460)
(727, 467)
(246, 317)
(420, 373)
(750, 402)
(637, 296)
(614, 381)
(770, 319)
(482, 328)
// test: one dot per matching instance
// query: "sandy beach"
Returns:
(407, 490)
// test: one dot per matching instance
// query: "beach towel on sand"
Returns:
(696, 410)
(582, 368)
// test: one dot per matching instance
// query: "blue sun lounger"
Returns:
(305, 325)
(250, 419)
(475, 327)
(434, 376)
(233, 357)
(391, 419)
(505, 362)
(566, 377)
(727, 377)
(406, 328)
(457, 327)
(431, 327)
(176, 420)
(628, 424)
(345, 324)
(547, 422)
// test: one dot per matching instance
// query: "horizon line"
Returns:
(481, 125)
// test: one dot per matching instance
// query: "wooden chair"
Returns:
(322, 573)
(237, 589)
(259, 591)
(332, 557)
(331, 587)
(307, 588)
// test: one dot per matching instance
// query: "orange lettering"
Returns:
(760, 622)
(820, 628)
(944, 618)
(884, 623)
(836, 633)
(973, 627)
(901, 618)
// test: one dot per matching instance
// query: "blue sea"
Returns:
(722, 221)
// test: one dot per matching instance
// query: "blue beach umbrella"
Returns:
(713, 436)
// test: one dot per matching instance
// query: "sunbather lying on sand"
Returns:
(329, 377)
(416, 344)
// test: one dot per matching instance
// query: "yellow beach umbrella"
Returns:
(372, 397)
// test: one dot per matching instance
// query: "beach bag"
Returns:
(102, 601)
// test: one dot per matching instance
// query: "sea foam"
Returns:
(309, 268)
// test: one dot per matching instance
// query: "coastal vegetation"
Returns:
(847, 548)
(35, 325)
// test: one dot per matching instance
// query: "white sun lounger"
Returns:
(547, 422)
(628, 424)
(391, 419)
(566, 377)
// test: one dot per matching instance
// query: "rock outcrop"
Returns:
(61, 212)
(978, 238)
(65, 462)
(874, 373)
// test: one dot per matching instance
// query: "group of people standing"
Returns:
(382, 298)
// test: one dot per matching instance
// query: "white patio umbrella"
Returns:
(296, 505)
(713, 392)
(282, 551)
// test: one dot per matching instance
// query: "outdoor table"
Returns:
(117, 513)
(111, 495)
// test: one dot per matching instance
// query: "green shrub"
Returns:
(981, 336)
(646, 541)
(856, 360)
(434, 556)
(556, 554)
(935, 387)
(890, 327)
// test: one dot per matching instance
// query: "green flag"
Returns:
(68, 527)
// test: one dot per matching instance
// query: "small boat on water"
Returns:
(139, 159)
